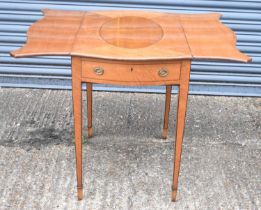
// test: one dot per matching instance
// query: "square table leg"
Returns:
(166, 114)
(89, 108)
(180, 123)
(77, 113)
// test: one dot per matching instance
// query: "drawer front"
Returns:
(117, 73)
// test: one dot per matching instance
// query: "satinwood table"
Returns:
(130, 48)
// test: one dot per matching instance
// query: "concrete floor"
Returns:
(126, 164)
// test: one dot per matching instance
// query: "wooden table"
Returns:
(130, 48)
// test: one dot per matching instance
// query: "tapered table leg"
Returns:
(167, 108)
(180, 123)
(77, 112)
(89, 108)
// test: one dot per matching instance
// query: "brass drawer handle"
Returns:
(163, 72)
(98, 70)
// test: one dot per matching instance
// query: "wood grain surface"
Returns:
(131, 35)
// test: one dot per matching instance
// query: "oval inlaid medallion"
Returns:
(131, 32)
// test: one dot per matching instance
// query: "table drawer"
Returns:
(117, 73)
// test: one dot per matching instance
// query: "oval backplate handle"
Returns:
(163, 72)
(98, 70)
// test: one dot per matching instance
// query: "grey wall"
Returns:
(213, 78)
